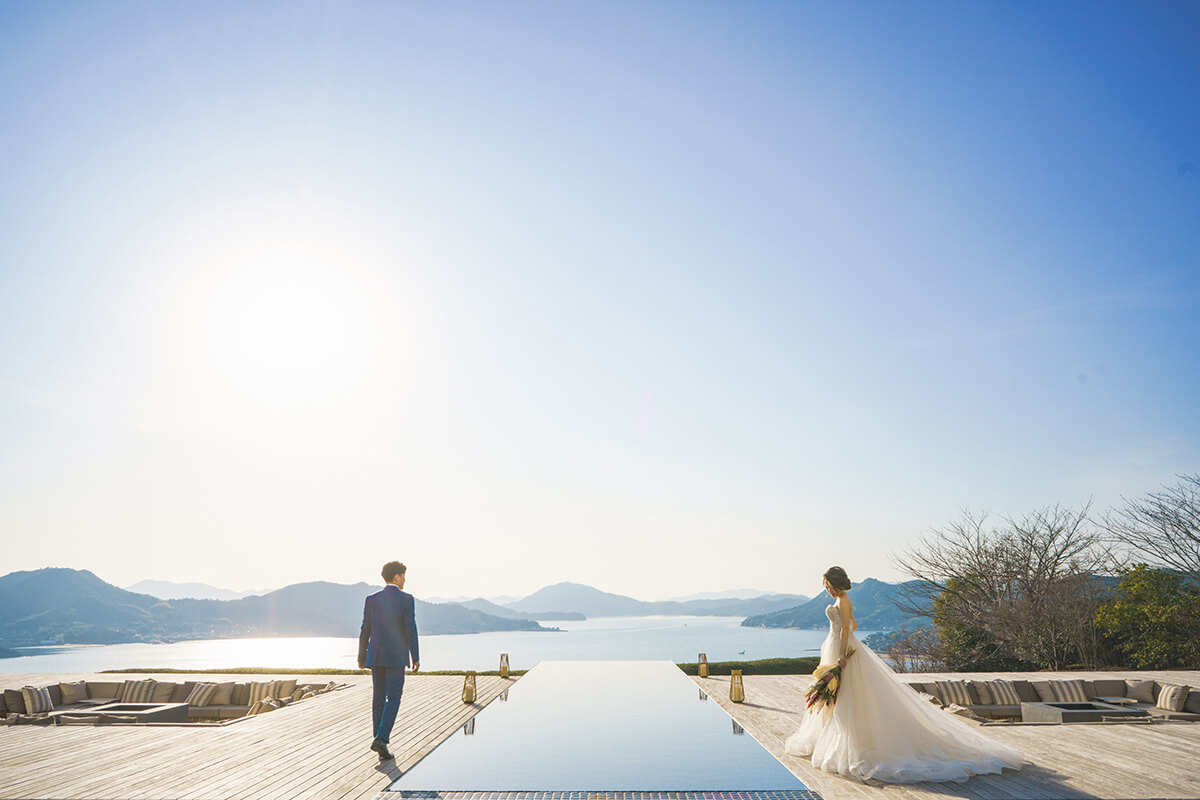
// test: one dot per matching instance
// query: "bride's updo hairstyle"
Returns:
(838, 579)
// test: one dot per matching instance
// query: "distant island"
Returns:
(69, 606)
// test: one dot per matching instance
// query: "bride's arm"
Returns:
(846, 611)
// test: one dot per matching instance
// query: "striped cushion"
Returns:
(1004, 693)
(202, 694)
(37, 701)
(1170, 697)
(954, 692)
(1068, 691)
(260, 690)
(138, 691)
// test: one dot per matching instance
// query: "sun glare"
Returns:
(287, 302)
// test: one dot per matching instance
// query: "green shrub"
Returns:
(766, 666)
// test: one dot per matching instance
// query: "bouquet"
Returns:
(827, 679)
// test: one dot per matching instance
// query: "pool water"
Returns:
(639, 727)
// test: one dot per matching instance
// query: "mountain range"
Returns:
(75, 606)
(170, 590)
(592, 602)
(875, 609)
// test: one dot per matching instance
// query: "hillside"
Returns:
(76, 607)
(874, 607)
(488, 607)
(170, 590)
(592, 602)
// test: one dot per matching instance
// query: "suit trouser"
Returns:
(389, 685)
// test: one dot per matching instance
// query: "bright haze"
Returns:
(664, 298)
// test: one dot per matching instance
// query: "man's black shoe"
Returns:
(381, 748)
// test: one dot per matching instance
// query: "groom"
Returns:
(386, 643)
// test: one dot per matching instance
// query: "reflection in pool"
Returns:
(601, 726)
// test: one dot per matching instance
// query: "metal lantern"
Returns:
(702, 669)
(469, 688)
(737, 691)
(504, 665)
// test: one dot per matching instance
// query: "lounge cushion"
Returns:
(1004, 693)
(1044, 693)
(984, 692)
(260, 690)
(37, 699)
(1141, 691)
(263, 706)
(1172, 698)
(285, 688)
(72, 693)
(1025, 691)
(954, 693)
(104, 690)
(14, 701)
(933, 698)
(1192, 704)
(202, 694)
(181, 691)
(163, 692)
(1109, 687)
(241, 694)
(138, 691)
(223, 695)
(1068, 691)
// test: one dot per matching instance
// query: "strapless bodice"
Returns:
(835, 619)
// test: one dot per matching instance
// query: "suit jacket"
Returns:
(389, 630)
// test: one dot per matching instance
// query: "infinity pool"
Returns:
(640, 727)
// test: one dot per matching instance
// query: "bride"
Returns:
(881, 729)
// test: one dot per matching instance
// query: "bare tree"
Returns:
(1026, 591)
(1162, 528)
(917, 651)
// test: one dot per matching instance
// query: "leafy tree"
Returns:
(1153, 619)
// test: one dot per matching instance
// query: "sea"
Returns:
(678, 639)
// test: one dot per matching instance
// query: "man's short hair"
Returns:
(391, 569)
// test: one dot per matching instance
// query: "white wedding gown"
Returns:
(881, 729)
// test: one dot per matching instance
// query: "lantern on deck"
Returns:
(504, 665)
(702, 665)
(468, 695)
(737, 691)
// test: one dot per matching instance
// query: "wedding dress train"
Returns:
(881, 729)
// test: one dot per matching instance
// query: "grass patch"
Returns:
(311, 671)
(766, 666)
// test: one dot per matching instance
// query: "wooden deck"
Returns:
(314, 749)
(318, 749)
(1114, 762)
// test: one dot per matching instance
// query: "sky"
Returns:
(660, 297)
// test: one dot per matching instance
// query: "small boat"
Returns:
(741, 652)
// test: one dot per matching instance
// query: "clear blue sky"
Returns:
(661, 297)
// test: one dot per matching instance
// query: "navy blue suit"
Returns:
(387, 644)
